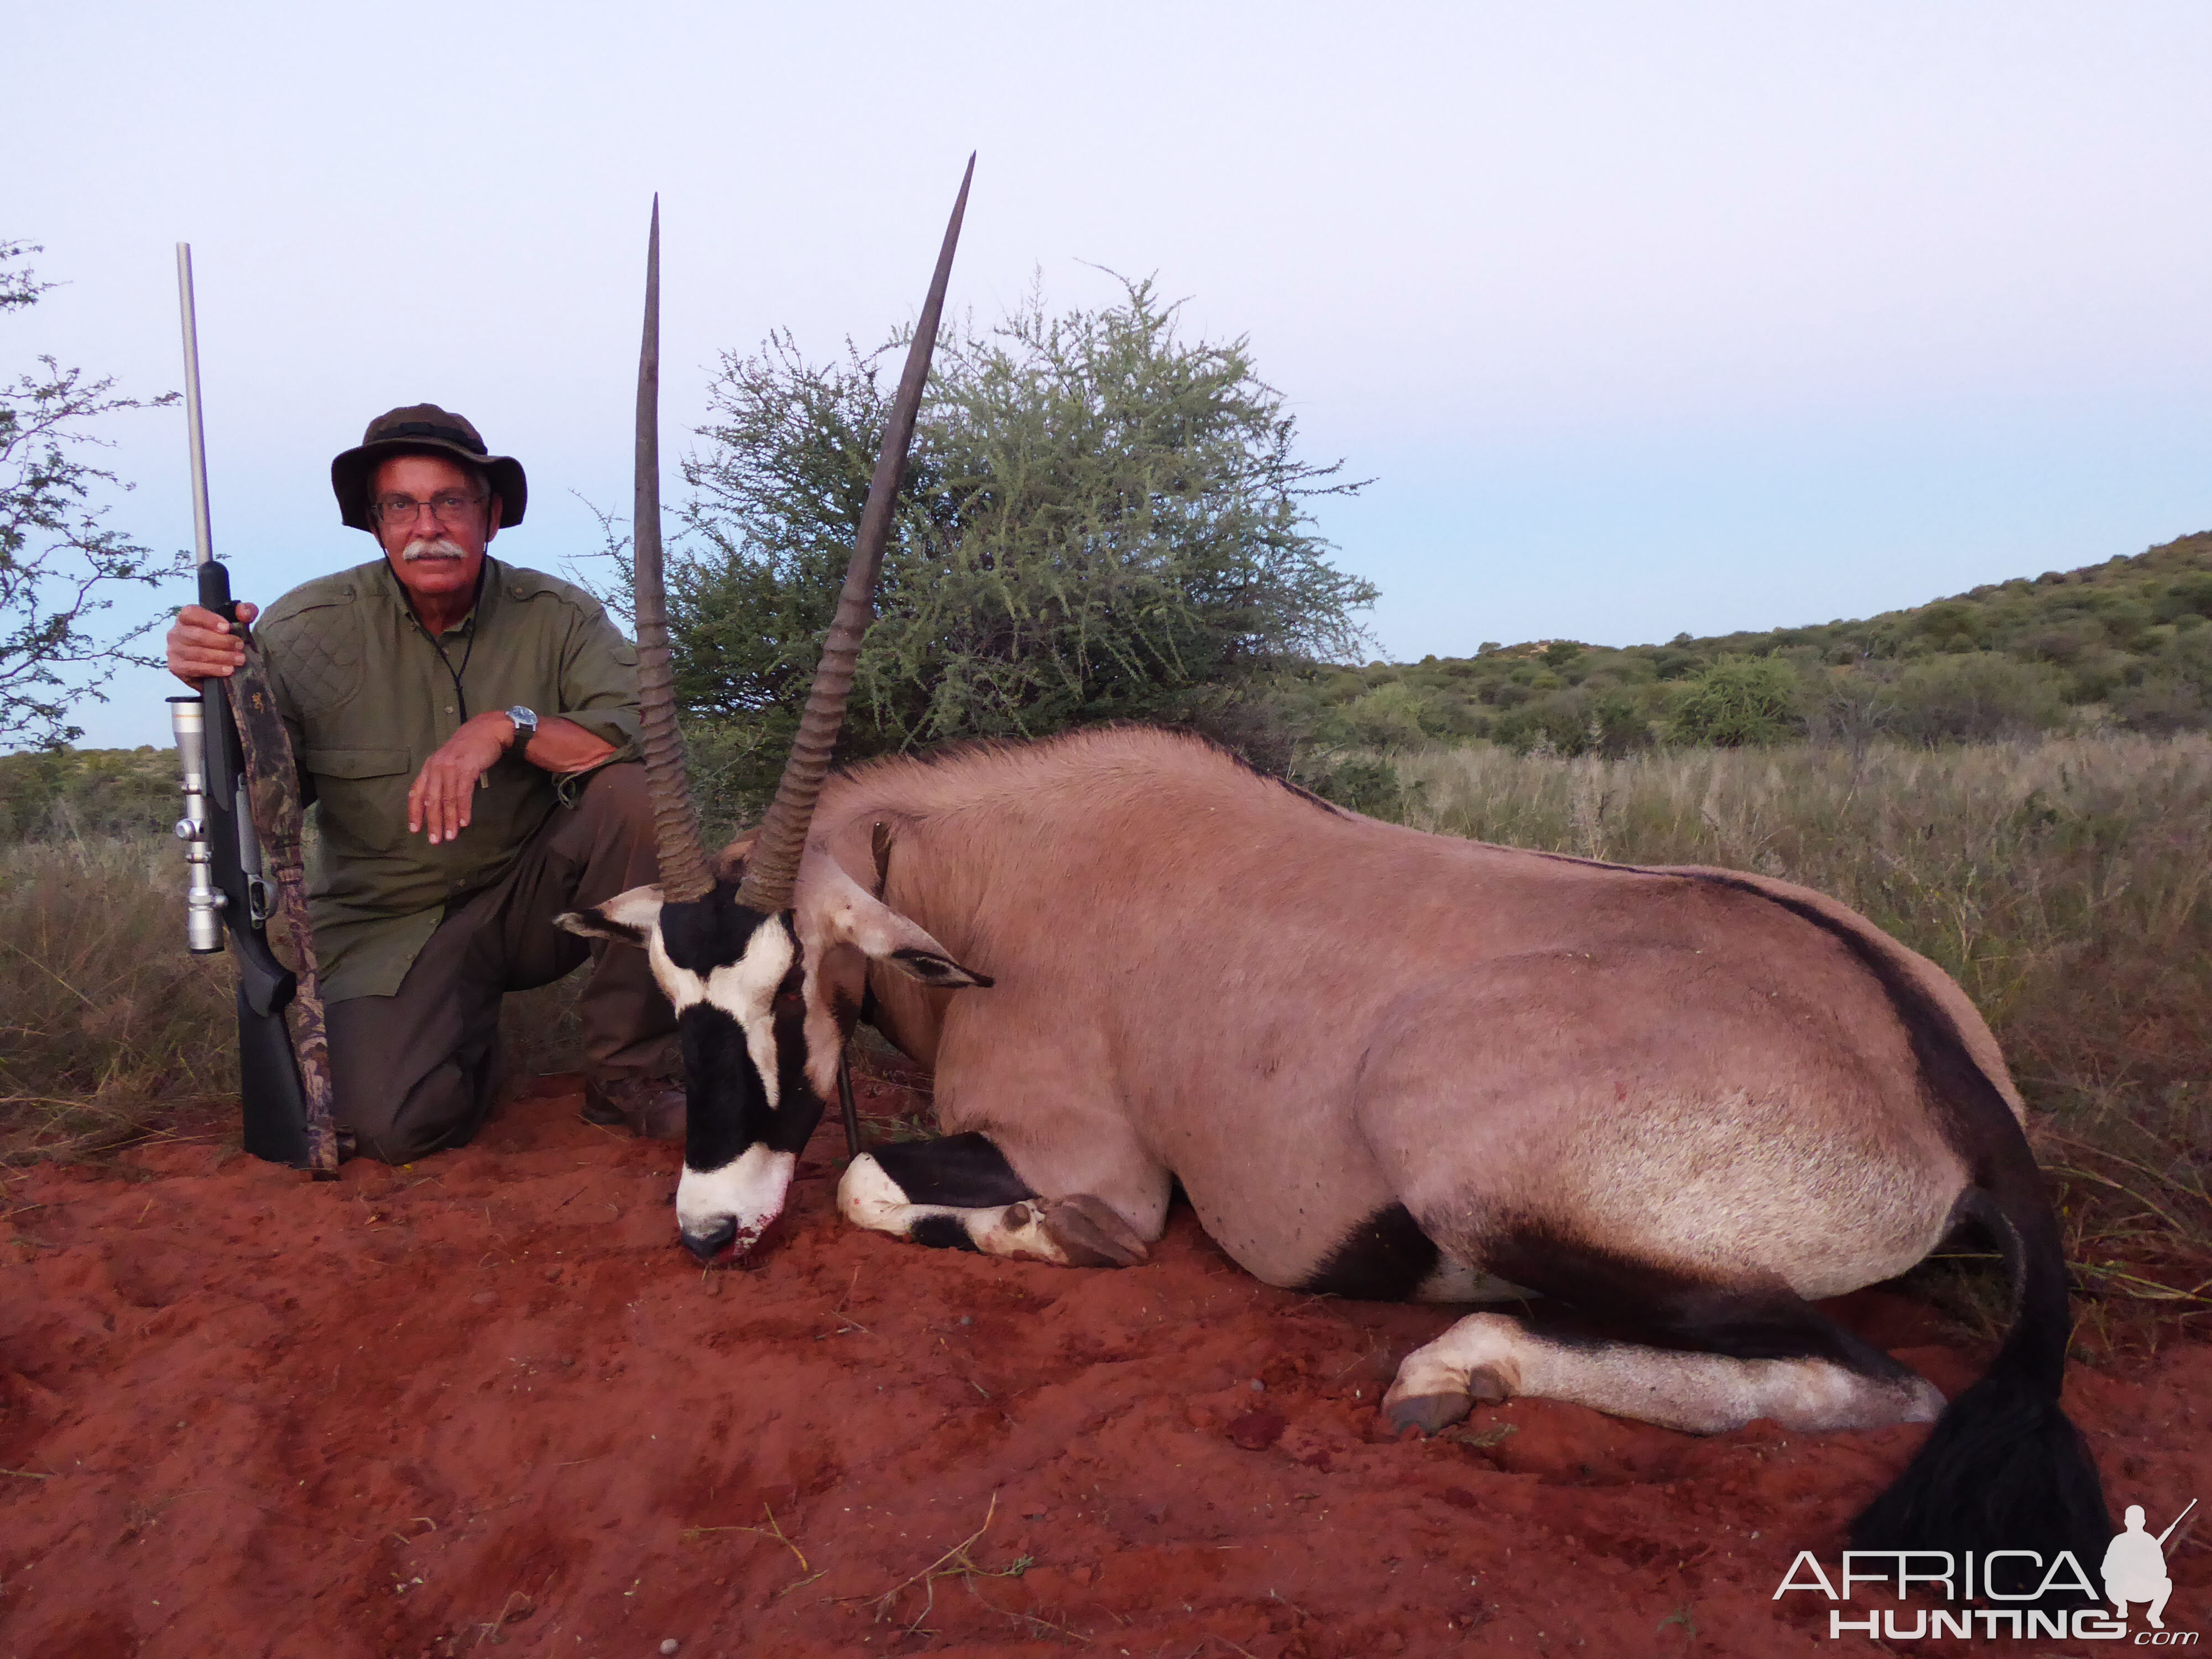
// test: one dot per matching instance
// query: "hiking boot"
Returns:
(652, 1107)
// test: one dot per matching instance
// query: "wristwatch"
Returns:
(526, 726)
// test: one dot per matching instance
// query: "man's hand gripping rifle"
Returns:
(243, 853)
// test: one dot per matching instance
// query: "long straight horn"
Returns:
(675, 828)
(773, 866)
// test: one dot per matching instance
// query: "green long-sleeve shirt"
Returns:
(368, 701)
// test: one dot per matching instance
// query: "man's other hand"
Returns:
(202, 645)
(438, 804)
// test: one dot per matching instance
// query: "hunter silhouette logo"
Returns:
(2051, 1596)
(2134, 1567)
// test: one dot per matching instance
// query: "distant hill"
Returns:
(2127, 642)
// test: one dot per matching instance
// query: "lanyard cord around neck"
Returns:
(476, 612)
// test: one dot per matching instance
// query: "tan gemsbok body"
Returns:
(1659, 1110)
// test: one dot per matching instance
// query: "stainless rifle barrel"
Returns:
(203, 900)
(203, 536)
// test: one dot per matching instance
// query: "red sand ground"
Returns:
(489, 1402)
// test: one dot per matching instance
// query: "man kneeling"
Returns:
(466, 731)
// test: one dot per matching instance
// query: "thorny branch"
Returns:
(58, 564)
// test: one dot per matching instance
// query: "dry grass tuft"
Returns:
(110, 1031)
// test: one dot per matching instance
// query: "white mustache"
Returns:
(436, 548)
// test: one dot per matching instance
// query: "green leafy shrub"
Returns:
(64, 794)
(2175, 694)
(1738, 703)
(1102, 520)
(1593, 720)
(1978, 698)
(1363, 783)
(1388, 717)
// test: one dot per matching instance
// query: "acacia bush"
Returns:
(1579, 720)
(1101, 520)
(1978, 696)
(1738, 703)
(2175, 692)
(60, 564)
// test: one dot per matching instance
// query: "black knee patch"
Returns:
(1383, 1259)
(963, 1171)
(1611, 1296)
(941, 1232)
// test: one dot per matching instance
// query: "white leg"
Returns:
(1079, 1231)
(1489, 1357)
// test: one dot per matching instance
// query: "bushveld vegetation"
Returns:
(1101, 520)
(2123, 645)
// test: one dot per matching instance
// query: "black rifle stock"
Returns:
(270, 1088)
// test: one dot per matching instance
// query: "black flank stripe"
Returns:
(1383, 1259)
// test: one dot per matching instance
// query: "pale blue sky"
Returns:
(1644, 317)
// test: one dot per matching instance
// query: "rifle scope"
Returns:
(203, 904)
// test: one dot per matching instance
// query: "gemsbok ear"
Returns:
(628, 917)
(843, 912)
(730, 862)
(928, 964)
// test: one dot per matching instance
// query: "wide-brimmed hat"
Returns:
(422, 429)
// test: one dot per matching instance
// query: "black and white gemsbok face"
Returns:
(766, 963)
(764, 1001)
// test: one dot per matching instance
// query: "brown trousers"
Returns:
(418, 1071)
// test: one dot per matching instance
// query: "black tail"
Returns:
(2003, 1469)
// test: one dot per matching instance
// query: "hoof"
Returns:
(1488, 1388)
(1089, 1232)
(1431, 1413)
(1923, 1401)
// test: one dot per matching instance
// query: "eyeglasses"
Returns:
(450, 510)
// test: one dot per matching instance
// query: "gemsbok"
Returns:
(1670, 1109)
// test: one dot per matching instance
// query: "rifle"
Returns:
(2177, 1520)
(244, 854)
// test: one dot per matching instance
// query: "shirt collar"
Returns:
(488, 587)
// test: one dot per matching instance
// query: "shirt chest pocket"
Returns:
(362, 794)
